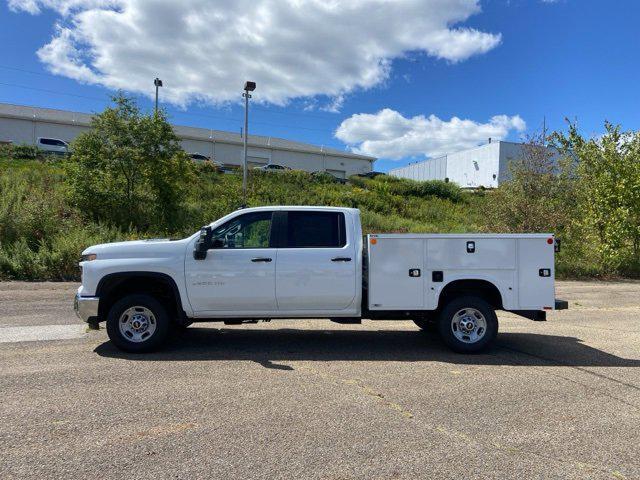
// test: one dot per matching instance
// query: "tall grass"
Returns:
(42, 236)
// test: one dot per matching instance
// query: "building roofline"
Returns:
(26, 112)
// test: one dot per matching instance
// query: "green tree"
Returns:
(129, 169)
(539, 195)
(609, 191)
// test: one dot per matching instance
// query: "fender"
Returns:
(502, 285)
(113, 280)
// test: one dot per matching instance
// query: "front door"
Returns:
(316, 267)
(238, 275)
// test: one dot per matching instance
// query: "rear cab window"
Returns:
(315, 230)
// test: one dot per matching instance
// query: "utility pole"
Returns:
(158, 83)
(248, 87)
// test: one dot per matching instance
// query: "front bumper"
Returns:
(86, 308)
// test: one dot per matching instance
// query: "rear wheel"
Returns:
(468, 324)
(138, 323)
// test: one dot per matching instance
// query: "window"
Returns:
(252, 230)
(316, 229)
(52, 141)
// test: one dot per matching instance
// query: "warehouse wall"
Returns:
(225, 147)
(17, 131)
(431, 169)
(476, 167)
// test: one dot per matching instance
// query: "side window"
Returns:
(316, 230)
(252, 230)
(47, 141)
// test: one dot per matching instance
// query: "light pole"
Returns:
(248, 87)
(158, 83)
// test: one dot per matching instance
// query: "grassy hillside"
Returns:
(42, 235)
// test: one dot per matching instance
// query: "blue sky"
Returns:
(568, 58)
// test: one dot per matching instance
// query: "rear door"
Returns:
(316, 266)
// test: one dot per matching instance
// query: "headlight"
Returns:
(88, 257)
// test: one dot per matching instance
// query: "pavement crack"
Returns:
(363, 388)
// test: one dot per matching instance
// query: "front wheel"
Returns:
(137, 323)
(468, 324)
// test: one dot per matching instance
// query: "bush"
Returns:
(129, 170)
(608, 193)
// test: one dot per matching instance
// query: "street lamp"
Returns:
(158, 83)
(248, 87)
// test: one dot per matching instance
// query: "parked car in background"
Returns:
(199, 158)
(272, 167)
(327, 177)
(52, 145)
(370, 174)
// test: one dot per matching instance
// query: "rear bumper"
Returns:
(86, 308)
(541, 315)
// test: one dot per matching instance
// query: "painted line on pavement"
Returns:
(40, 332)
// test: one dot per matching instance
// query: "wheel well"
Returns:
(482, 288)
(162, 287)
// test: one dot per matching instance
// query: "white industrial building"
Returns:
(483, 166)
(24, 125)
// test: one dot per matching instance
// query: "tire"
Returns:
(428, 325)
(468, 324)
(145, 333)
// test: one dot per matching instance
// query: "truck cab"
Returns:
(313, 262)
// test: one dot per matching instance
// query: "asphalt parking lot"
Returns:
(313, 399)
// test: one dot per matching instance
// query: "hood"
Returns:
(137, 248)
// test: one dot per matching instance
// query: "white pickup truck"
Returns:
(313, 262)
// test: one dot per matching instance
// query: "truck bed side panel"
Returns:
(390, 284)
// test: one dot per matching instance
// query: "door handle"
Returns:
(261, 259)
(341, 259)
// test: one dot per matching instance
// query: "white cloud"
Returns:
(388, 134)
(205, 50)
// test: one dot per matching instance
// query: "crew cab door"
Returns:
(316, 267)
(238, 274)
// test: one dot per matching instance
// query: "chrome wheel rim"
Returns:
(137, 324)
(468, 325)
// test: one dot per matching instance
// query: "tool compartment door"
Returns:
(536, 273)
(391, 264)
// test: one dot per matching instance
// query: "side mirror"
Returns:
(202, 244)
